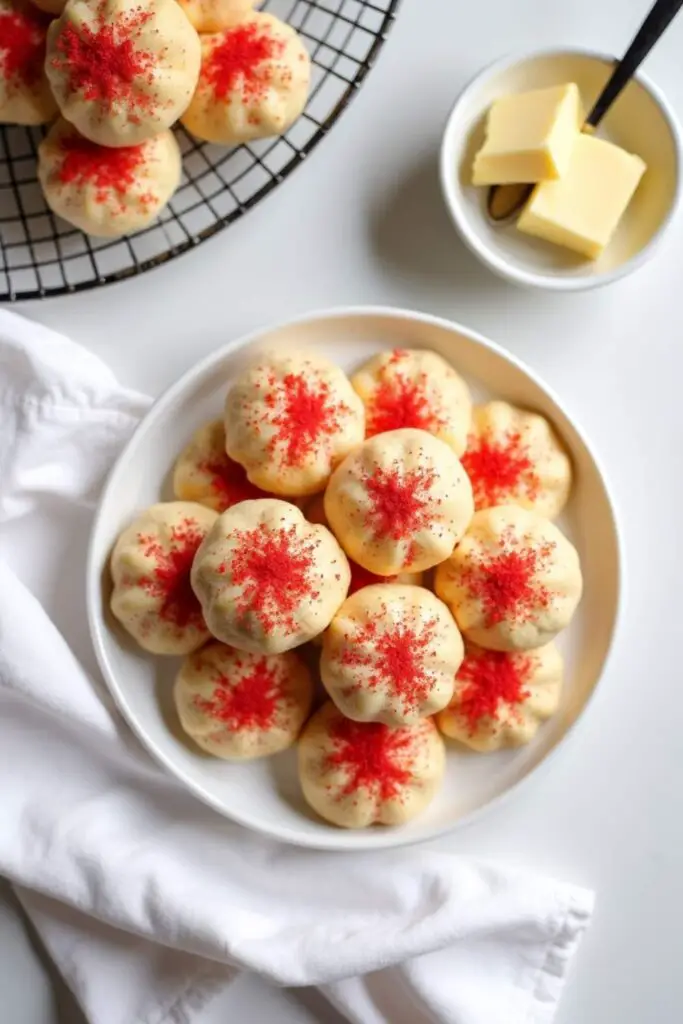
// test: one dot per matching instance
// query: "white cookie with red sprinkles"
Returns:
(25, 95)
(357, 774)
(513, 582)
(400, 502)
(390, 655)
(151, 563)
(290, 419)
(254, 81)
(122, 70)
(514, 457)
(415, 388)
(239, 706)
(204, 472)
(267, 579)
(502, 698)
(360, 577)
(107, 192)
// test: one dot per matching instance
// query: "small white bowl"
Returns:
(641, 121)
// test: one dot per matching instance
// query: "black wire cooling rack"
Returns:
(41, 255)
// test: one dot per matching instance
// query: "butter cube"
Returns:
(581, 211)
(529, 137)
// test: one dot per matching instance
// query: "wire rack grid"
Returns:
(41, 255)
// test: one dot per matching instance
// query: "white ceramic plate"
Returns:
(264, 795)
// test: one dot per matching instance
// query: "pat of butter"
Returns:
(529, 137)
(581, 211)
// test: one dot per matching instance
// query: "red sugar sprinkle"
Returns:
(22, 46)
(360, 578)
(111, 171)
(399, 503)
(229, 482)
(373, 756)
(400, 402)
(395, 655)
(249, 703)
(488, 679)
(104, 64)
(236, 59)
(507, 584)
(274, 568)
(304, 412)
(170, 578)
(499, 469)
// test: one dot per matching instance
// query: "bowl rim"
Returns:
(340, 840)
(499, 265)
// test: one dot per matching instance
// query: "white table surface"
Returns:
(362, 222)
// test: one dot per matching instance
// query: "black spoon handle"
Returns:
(657, 21)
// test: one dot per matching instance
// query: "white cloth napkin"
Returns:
(147, 900)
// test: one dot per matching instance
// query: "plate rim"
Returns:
(341, 840)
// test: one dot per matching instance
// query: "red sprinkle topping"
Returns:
(373, 756)
(507, 584)
(170, 578)
(103, 63)
(396, 655)
(304, 412)
(274, 569)
(237, 58)
(249, 703)
(489, 679)
(112, 171)
(499, 470)
(360, 578)
(22, 46)
(229, 482)
(400, 402)
(399, 503)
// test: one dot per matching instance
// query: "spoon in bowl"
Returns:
(504, 201)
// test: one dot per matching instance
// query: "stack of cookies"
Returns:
(117, 74)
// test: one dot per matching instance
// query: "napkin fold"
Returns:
(149, 902)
